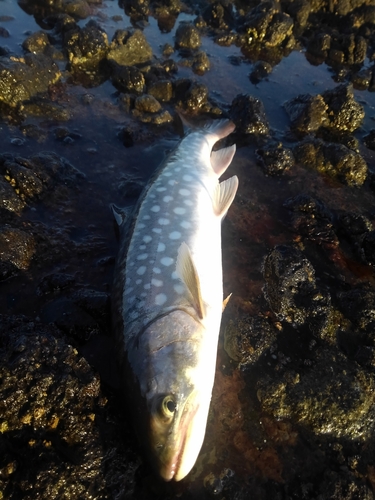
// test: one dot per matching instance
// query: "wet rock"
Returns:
(247, 339)
(94, 303)
(334, 397)
(167, 8)
(50, 425)
(87, 46)
(299, 11)
(23, 78)
(36, 177)
(311, 219)
(344, 112)
(38, 106)
(354, 227)
(55, 283)
(161, 90)
(266, 23)
(168, 50)
(319, 45)
(347, 49)
(159, 118)
(147, 103)
(307, 113)
(187, 36)
(335, 160)
(34, 132)
(191, 96)
(16, 247)
(199, 62)
(261, 70)
(362, 79)
(219, 16)
(129, 48)
(358, 304)
(368, 247)
(291, 290)
(79, 9)
(275, 159)
(249, 115)
(128, 79)
(137, 10)
(37, 42)
(369, 140)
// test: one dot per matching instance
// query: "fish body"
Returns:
(168, 297)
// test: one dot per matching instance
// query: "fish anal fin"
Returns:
(224, 195)
(225, 302)
(187, 273)
(221, 159)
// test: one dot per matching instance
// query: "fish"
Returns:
(168, 297)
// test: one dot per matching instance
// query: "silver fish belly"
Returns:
(168, 297)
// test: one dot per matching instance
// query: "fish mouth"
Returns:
(170, 469)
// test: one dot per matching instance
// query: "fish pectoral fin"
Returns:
(225, 302)
(221, 159)
(188, 274)
(224, 195)
(120, 214)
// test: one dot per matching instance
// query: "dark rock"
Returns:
(344, 112)
(22, 79)
(319, 45)
(199, 62)
(192, 96)
(4, 33)
(275, 159)
(78, 9)
(161, 90)
(137, 10)
(368, 247)
(307, 113)
(147, 103)
(87, 46)
(247, 339)
(311, 219)
(55, 283)
(347, 49)
(358, 304)
(16, 247)
(369, 140)
(249, 115)
(37, 42)
(128, 49)
(291, 290)
(260, 70)
(128, 79)
(219, 16)
(187, 36)
(335, 160)
(167, 8)
(38, 106)
(362, 79)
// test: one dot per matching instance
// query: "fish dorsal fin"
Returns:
(221, 159)
(120, 214)
(224, 195)
(187, 273)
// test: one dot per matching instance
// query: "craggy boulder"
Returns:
(128, 49)
(345, 114)
(249, 116)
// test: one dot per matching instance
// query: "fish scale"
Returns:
(168, 297)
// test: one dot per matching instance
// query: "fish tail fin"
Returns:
(217, 129)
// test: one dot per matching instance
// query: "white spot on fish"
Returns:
(161, 189)
(167, 174)
(185, 224)
(146, 217)
(131, 299)
(141, 270)
(187, 178)
(142, 256)
(184, 192)
(160, 299)
(156, 230)
(147, 239)
(140, 225)
(161, 247)
(156, 282)
(142, 247)
(147, 286)
(127, 281)
(155, 208)
(156, 270)
(166, 261)
(171, 182)
(167, 199)
(128, 290)
(138, 282)
(179, 210)
(174, 275)
(163, 222)
(179, 288)
(143, 294)
(175, 235)
(189, 203)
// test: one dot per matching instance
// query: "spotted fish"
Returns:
(168, 297)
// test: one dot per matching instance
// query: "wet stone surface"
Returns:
(90, 92)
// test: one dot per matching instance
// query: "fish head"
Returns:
(178, 397)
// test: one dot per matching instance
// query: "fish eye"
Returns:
(168, 406)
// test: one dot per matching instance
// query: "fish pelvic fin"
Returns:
(120, 214)
(224, 195)
(188, 274)
(221, 159)
(225, 302)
